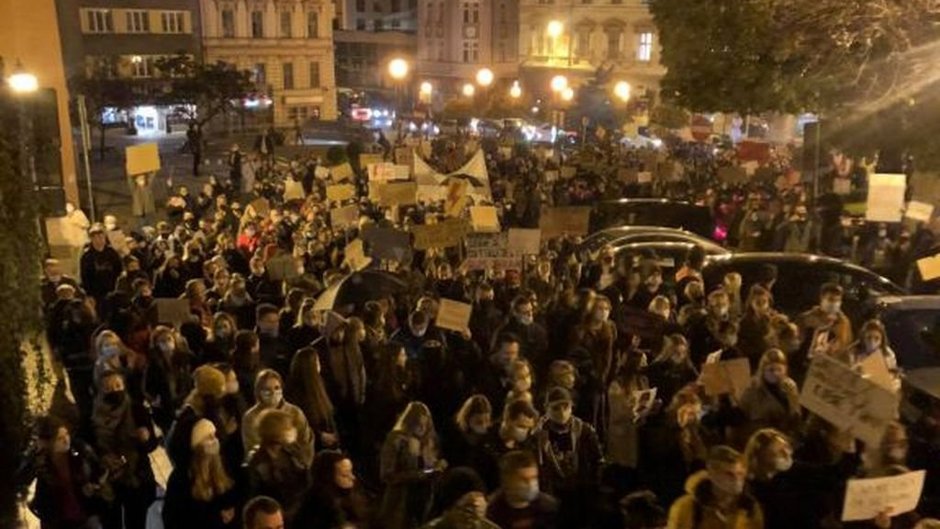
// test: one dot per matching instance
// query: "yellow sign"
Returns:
(141, 159)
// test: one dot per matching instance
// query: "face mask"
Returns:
(560, 417)
(61, 447)
(55, 278)
(897, 454)
(165, 347)
(231, 387)
(783, 463)
(211, 447)
(110, 351)
(419, 332)
(771, 378)
(729, 486)
(831, 307)
(525, 320)
(526, 493)
(478, 429)
(271, 398)
(872, 345)
(290, 437)
(114, 398)
(478, 506)
(722, 312)
(222, 332)
(518, 434)
(271, 330)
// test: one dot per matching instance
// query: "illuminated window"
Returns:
(645, 51)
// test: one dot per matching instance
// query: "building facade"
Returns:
(288, 47)
(578, 37)
(371, 33)
(379, 15)
(126, 38)
(456, 38)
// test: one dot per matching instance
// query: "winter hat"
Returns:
(557, 394)
(209, 381)
(202, 431)
(456, 483)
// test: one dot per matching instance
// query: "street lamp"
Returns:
(469, 90)
(427, 89)
(398, 69)
(555, 28)
(21, 81)
(622, 90)
(516, 91)
(567, 94)
(559, 83)
(485, 77)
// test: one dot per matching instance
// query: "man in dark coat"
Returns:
(101, 265)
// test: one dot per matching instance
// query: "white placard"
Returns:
(866, 498)
(919, 211)
(885, 197)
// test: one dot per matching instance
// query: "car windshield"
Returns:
(915, 337)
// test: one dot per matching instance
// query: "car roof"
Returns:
(672, 245)
(780, 258)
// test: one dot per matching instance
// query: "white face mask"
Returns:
(110, 351)
(601, 315)
(831, 307)
(166, 347)
(783, 463)
(518, 434)
(478, 429)
(872, 345)
(525, 320)
(271, 398)
(290, 437)
(560, 417)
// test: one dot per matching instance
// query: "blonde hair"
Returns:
(757, 444)
(208, 476)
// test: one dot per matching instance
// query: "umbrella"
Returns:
(358, 288)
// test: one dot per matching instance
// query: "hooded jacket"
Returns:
(698, 509)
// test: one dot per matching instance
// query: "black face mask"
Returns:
(115, 398)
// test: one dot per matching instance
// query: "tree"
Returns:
(751, 56)
(667, 117)
(203, 91)
(102, 91)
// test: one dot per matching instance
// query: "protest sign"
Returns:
(568, 171)
(431, 193)
(551, 176)
(340, 192)
(367, 159)
(61, 232)
(426, 149)
(750, 167)
(144, 158)
(260, 207)
(344, 217)
(867, 498)
(282, 268)
(841, 186)
(505, 152)
(456, 198)
(929, 267)
(405, 156)
(569, 220)
(484, 219)
(919, 211)
(453, 315)
(398, 194)
(525, 241)
(172, 310)
(355, 256)
(402, 172)
(441, 235)
(321, 172)
(381, 172)
(875, 368)
(644, 177)
(885, 197)
(643, 403)
(387, 243)
(485, 251)
(119, 242)
(341, 172)
(732, 175)
(727, 376)
(293, 190)
(841, 396)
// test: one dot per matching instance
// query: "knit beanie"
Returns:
(557, 394)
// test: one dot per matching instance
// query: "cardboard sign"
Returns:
(398, 194)
(355, 256)
(344, 217)
(320, 173)
(456, 198)
(524, 241)
(431, 193)
(381, 172)
(571, 220)
(260, 206)
(551, 176)
(643, 403)
(453, 315)
(490, 251)
(293, 190)
(60, 231)
(405, 156)
(341, 172)
(144, 158)
(119, 242)
(732, 175)
(505, 153)
(441, 235)
(367, 159)
(929, 267)
(885, 197)
(282, 268)
(852, 403)
(841, 186)
(387, 243)
(724, 377)
(568, 172)
(919, 211)
(484, 219)
(173, 311)
(866, 498)
(644, 177)
(340, 192)
(875, 368)
(402, 172)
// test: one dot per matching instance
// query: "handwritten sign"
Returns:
(885, 197)
(401, 172)
(842, 186)
(486, 251)
(644, 177)
(484, 219)
(405, 156)
(282, 268)
(340, 192)
(866, 498)
(525, 241)
(398, 194)
(341, 172)
(724, 377)
(453, 315)
(441, 235)
(874, 368)
(342, 218)
(367, 159)
(571, 220)
(293, 190)
(119, 242)
(260, 207)
(568, 171)
(929, 267)
(142, 159)
(381, 172)
(919, 211)
(387, 243)
(355, 256)
(847, 400)
(172, 310)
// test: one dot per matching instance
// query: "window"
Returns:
(613, 43)
(297, 113)
(313, 22)
(378, 25)
(100, 21)
(314, 74)
(138, 22)
(471, 51)
(645, 52)
(257, 24)
(142, 66)
(583, 43)
(288, 68)
(228, 23)
(173, 21)
(260, 75)
(396, 6)
(360, 6)
(285, 25)
(395, 23)
(361, 24)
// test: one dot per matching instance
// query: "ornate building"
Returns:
(286, 44)
(578, 37)
(370, 33)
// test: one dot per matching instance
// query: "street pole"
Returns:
(816, 147)
(86, 141)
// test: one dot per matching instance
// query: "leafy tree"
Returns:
(751, 56)
(667, 116)
(102, 91)
(203, 91)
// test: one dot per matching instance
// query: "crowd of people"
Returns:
(275, 412)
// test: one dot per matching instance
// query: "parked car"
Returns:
(668, 255)
(799, 277)
(653, 212)
(634, 234)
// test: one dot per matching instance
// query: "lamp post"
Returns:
(398, 70)
(485, 78)
(23, 85)
(468, 90)
(622, 91)
(515, 91)
(559, 86)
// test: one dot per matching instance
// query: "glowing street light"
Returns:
(567, 94)
(22, 82)
(398, 69)
(516, 91)
(622, 91)
(469, 90)
(485, 77)
(427, 89)
(555, 28)
(559, 83)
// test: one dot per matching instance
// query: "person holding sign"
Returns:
(825, 328)
(772, 400)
